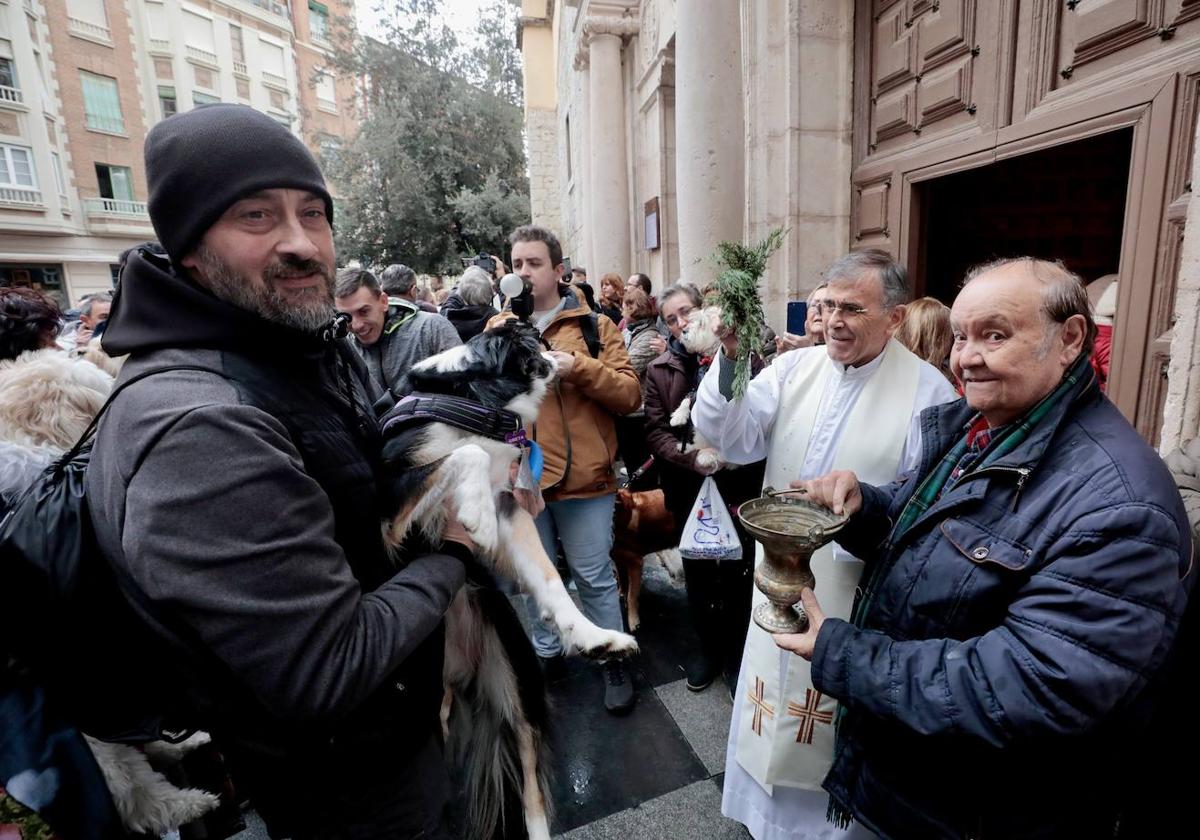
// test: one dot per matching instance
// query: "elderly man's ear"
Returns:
(1071, 336)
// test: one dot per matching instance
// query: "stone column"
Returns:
(536, 40)
(608, 198)
(709, 132)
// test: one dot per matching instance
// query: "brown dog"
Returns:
(643, 529)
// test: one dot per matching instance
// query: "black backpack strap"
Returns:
(172, 630)
(90, 431)
(591, 333)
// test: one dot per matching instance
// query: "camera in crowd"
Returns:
(485, 261)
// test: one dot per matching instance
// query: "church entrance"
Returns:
(1065, 202)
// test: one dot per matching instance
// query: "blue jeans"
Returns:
(585, 527)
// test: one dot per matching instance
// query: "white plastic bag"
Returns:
(709, 532)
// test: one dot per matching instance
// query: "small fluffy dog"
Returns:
(146, 802)
(451, 445)
(48, 398)
(702, 337)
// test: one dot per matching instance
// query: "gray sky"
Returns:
(461, 15)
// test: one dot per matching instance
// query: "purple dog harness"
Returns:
(496, 423)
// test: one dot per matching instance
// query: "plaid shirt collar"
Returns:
(979, 437)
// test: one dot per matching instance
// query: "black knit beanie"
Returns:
(200, 162)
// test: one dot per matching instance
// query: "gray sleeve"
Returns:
(440, 335)
(223, 525)
(641, 353)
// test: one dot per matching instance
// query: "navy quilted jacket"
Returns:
(1007, 663)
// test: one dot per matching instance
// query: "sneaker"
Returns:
(618, 692)
(700, 673)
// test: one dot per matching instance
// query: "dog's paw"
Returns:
(164, 751)
(536, 827)
(672, 561)
(681, 415)
(707, 461)
(592, 642)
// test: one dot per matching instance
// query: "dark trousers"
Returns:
(718, 591)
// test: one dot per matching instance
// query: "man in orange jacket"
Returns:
(578, 438)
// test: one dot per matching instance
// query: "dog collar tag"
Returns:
(517, 438)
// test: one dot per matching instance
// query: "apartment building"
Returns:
(82, 81)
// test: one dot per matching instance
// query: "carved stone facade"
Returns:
(972, 129)
(695, 168)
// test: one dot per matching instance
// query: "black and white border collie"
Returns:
(451, 445)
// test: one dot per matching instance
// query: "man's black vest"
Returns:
(320, 401)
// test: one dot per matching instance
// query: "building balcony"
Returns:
(89, 31)
(273, 7)
(271, 11)
(274, 80)
(161, 45)
(22, 198)
(239, 68)
(116, 207)
(11, 96)
(117, 216)
(203, 56)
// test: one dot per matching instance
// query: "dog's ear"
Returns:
(448, 371)
(438, 381)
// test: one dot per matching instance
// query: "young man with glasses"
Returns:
(855, 400)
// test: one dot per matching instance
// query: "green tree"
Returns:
(487, 214)
(437, 169)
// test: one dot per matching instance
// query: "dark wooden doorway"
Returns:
(947, 91)
(1066, 202)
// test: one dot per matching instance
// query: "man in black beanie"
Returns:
(237, 492)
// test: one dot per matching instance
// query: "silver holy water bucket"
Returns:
(790, 530)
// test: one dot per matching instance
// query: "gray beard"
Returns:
(309, 311)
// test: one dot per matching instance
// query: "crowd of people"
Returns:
(1004, 603)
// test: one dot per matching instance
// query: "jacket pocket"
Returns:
(982, 546)
(990, 567)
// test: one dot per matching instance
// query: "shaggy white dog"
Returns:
(48, 399)
(145, 800)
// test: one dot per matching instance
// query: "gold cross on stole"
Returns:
(809, 716)
(761, 707)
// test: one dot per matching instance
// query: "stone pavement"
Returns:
(655, 773)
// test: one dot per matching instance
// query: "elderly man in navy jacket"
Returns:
(1025, 590)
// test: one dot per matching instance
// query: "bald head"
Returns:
(1018, 326)
(1063, 291)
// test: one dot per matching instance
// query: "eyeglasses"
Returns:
(683, 313)
(849, 311)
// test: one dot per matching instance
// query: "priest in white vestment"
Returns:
(854, 404)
